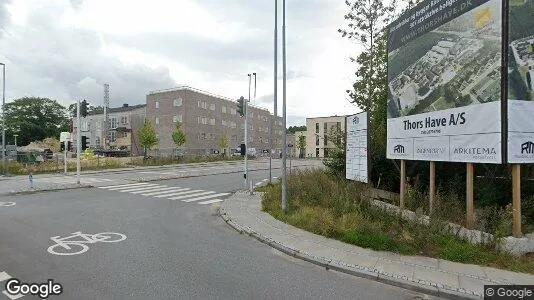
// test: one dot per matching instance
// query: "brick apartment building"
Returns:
(124, 123)
(205, 118)
(317, 131)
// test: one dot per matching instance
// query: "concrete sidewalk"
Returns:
(428, 275)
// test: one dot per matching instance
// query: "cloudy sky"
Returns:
(67, 49)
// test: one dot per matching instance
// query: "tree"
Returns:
(335, 159)
(91, 110)
(293, 129)
(178, 136)
(223, 143)
(147, 136)
(35, 119)
(367, 21)
(301, 145)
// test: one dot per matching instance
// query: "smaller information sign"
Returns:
(356, 150)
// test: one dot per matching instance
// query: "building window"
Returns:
(212, 107)
(84, 126)
(338, 124)
(177, 102)
(233, 111)
(251, 115)
(325, 150)
(124, 120)
(316, 140)
(114, 123)
(212, 136)
(177, 118)
(223, 122)
(157, 120)
(212, 122)
(97, 141)
(325, 128)
(202, 135)
(233, 125)
(325, 140)
(112, 136)
(316, 127)
(157, 104)
(223, 109)
(316, 152)
(204, 105)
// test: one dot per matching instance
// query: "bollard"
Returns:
(30, 177)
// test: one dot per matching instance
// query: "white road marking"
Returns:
(168, 190)
(205, 197)
(153, 189)
(193, 195)
(176, 194)
(210, 201)
(7, 204)
(114, 186)
(4, 276)
(12, 297)
(130, 187)
(145, 188)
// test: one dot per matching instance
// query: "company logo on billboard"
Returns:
(477, 152)
(399, 149)
(527, 148)
(431, 150)
(355, 120)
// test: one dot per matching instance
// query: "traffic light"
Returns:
(83, 108)
(69, 146)
(84, 143)
(62, 146)
(243, 150)
(241, 106)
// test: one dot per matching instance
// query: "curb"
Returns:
(31, 192)
(354, 270)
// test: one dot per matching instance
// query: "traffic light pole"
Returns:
(245, 108)
(65, 155)
(78, 141)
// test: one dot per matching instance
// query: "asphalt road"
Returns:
(173, 249)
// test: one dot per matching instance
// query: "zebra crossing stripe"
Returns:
(4, 276)
(168, 190)
(193, 195)
(114, 186)
(205, 197)
(175, 194)
(130, 187)
(142, 188)
(210, 201)
(153, 189)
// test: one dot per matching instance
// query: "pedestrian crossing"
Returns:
(70, 179)
(4, 277)
(174, 193)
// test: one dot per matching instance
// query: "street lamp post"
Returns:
(284, 119)
(273, 119)
(4, 117)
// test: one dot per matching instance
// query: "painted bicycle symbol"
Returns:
(76, 242)
(7, 204)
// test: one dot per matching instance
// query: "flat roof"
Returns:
(342, 116)
(188, 88)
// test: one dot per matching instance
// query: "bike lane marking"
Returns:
(7, 204)
(67, 244)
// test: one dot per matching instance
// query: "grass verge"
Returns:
(338, 209)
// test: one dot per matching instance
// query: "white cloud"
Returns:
(69, 48)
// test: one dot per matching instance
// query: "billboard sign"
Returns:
(356, 161)
(445, 82)
(521, 81)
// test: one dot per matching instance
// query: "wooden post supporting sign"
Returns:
(516, 200)
(432, 188)
(470, 213)
(402, 183)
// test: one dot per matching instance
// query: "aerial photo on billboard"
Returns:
(444, 82)
(521, 81)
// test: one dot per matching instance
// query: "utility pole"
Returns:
(4, 118)
(284, 138)
(78, 141)
(273, 119)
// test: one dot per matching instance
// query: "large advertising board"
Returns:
(521, 81)
(356, 162)
(445, 82)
